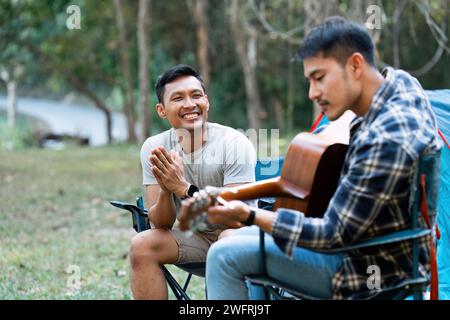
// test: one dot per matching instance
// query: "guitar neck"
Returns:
(261, 189)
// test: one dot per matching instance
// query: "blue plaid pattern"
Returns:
(372, 197)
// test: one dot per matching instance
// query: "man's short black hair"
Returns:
(172, 74)
(339, 38)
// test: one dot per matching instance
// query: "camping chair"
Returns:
(264, 169)
(423, 197)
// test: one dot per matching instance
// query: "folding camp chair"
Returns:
(423, 197)
(264, 169)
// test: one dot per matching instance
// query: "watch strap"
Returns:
(251, 218)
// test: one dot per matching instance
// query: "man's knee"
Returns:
(226, 233)
(217, 253)
(150, 246)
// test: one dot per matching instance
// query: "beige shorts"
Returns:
(194, 247)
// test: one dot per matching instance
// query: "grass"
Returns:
(56, 219)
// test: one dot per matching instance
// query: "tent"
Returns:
(440, 102)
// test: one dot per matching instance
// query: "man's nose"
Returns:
(314, 92)
(189, 102)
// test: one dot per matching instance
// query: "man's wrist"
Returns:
(166, 192)
(190, 191)
(251, 217)
(183, 191)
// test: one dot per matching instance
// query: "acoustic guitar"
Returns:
(308, 180)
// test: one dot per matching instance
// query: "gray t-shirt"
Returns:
(227, 157)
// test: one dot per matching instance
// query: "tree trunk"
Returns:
(12, 103)
(83, 89)
(396, 33)
(246, 51)
(357, 10)
(278, 110)
(129, 107)
(199, 13)
(315, 13)
(144, 55)
(11, 92)
(290, 76)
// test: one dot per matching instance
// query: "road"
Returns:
(71, 119)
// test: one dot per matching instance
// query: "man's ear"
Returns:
(161, 110)
(356, 63)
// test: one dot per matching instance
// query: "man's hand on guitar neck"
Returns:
(192, 211)
(211, 206)
(233, 215)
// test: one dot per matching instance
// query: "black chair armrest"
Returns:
(130, 207)
(381, 240)
(139, 216)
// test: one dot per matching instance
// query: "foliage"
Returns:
(20, 137)
(91, 53)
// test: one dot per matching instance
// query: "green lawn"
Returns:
(55, 215)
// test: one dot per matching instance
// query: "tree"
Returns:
(127, 82)
(78, 59)
(143, 23)
(245, 43)
(10, 78)
(198, 9)
(13, 58)
(316, 12)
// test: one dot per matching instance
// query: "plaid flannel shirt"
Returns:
(372, 197)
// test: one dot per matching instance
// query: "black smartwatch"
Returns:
(191, 191)
(251, 218)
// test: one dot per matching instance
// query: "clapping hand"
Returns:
(169, 171)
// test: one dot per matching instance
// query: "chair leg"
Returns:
(262, 261)
(187, 282)
(174, 285)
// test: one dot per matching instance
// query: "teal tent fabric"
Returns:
(440, 102)
(322, 124)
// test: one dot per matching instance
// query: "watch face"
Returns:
(192, 189)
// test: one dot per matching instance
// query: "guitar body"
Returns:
(310, 173)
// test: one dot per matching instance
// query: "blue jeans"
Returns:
(232, 258)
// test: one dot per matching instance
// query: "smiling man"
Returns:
(176, 163)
